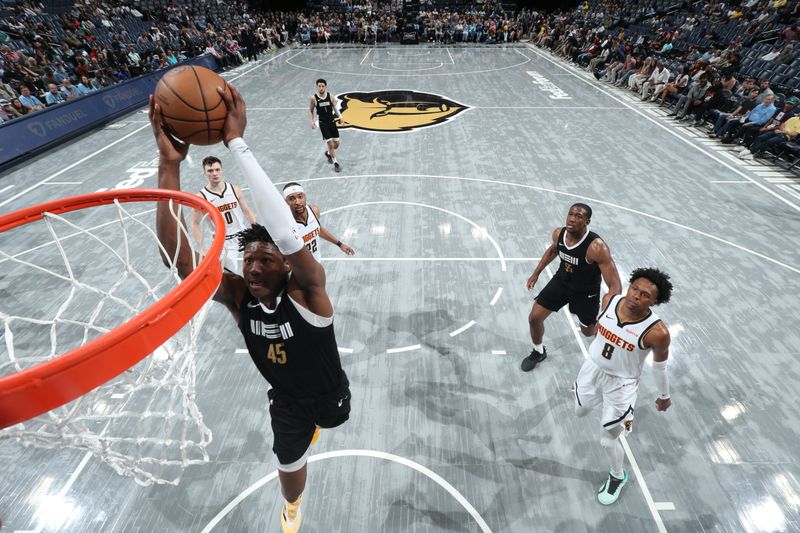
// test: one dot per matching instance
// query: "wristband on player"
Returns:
(661, 378)
(339, 244)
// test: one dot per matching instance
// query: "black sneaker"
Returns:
(530, 362)
(330, 159)
(336, 167)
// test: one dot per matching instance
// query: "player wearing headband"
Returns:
(307, 218)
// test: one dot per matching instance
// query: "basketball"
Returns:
(191, 108)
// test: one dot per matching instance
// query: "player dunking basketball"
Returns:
(627, 331)
(326, 106)
(308, 224)
(280, 304)
(584, 259)
(228, 198)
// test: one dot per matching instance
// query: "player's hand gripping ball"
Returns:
(191, 108)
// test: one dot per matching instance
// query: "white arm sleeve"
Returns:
(269, 205)
(661, 378)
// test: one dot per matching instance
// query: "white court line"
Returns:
(106, 147)
(772, 173)
(365, 56)
(463, 328)
(619, 108)
(438, 65)
(451, 213)
(64, 183)
(432, 259)
(451, 56)
(345, 350)
(628, 452)
(404, 349)
(671, 131)
(569, 195)
(498, 352)
(665, 506)
(729, 181)
(276, 108)
(496, 296)
(241, 350)
(439, 480)
(4, 189)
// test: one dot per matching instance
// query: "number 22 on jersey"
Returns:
(276, 353)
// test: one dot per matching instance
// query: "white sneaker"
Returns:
(746, 155)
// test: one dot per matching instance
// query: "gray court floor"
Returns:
(446, 433)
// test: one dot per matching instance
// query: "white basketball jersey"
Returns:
(310, 233)
(228, 205)
(617, 348)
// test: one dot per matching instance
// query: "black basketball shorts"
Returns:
(294, 421)
(329, 131)
(585, 304)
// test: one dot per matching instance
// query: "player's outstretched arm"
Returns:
(271, 209)
(171, 153)
(311, 110)
(546, 259)
(328, 236)
(600, 253)
(658, 340)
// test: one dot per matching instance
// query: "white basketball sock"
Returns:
(615, 453)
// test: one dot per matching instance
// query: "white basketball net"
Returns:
(69, 279)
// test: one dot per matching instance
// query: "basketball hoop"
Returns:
(40, 384)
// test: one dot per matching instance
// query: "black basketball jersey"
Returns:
(325, 110)
(299, 360)
(574, 269)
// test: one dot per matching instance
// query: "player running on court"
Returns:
(585, 257)
(627, 331)
(327, 108)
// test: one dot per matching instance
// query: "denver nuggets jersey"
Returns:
(617, 348)
(310, 233)
(228, 205)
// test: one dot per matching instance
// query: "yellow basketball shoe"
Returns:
(316, 435)
(291, 516)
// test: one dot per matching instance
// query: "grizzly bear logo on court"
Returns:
(396, 110)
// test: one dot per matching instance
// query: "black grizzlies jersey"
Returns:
(574, 269)
(325, 110)
(296, 358)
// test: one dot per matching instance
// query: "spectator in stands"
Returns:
(713, 99)
(680, 83)
(786, 56)
(755, 119)
(69, 90)
(84, 87)
(693, 98)
(792, 33)
(620, 68)
(21, 109)
(765, 91)
(28, 100)
(783, 133)
(745, 105)
(7, 111)
(53, 96)
(657, 80)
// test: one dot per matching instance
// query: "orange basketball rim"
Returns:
(51, 384)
